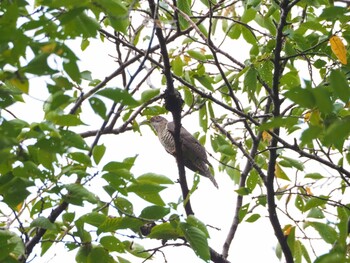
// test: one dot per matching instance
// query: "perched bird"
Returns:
(194, 154)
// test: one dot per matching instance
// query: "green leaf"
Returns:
(265, 71)
(315, 202)
(315, 176)
(205, 80)
(117, 13)
(68, 217)
(154, 178)
(226, 149)
(83, 253)
(280, 173)
(333, 12)
(337, 133)
(64, 120)
(297, 252)
(327, 232)
(323, 101)
(342, 225)
(119, 23)
(124, 205)
(21, 83)
(305, 253)
(148, 192)
(340, 85)
(299, 203)
(98, 152)
(56, 100)
(196, 55)
(98, 106)
(76, 22)
(235, 30)
(14, 189)
(122, 260)
(188, 96)
(197, 240)
(77, 194)
(38, 65)
(193, 221)
(154, 212)
(149, 94)
(248, 15)
(11, 244)
(331, 257)
(291, 79)
(184, 6)
(203, 118)
(119, 96)
(117, 178)
(243, 191)
(303, 97)
(45, 246)
(80, 157)
(311, 133)
(165, 231)
(315, 213)
(289, 162)
(248, 35)
(252, 180)
(136, 249)
(111, 224)
(177, 66)
(93, 218)
(73, 140)
(43, 222)
(253, 218)
(84, 44)
(115, 166)
(113, 7)
(72, 69)
(111, 243)
(99, 254)
(250, 80)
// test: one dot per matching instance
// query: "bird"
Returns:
(194, 154)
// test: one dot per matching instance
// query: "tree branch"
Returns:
(249, 165)
(173, 103)
(278, 69)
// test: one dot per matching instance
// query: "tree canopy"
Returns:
(264, 85)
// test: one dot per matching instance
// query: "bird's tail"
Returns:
(208, 174)
(212, 179)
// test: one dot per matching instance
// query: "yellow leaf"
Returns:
(59, 51)
(187, 59)
(313, 117)
(266, 136)
(22, 84)
(19, 207)
(338, 49)
(307, 116)
(279, 173)
(48, 48)
(287, 229)
(308, 191)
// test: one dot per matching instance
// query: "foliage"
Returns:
(277, 118)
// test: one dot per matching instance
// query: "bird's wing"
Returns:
(189, 143)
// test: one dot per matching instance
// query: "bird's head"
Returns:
(158, 123)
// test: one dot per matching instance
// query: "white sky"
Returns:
(254, 242)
